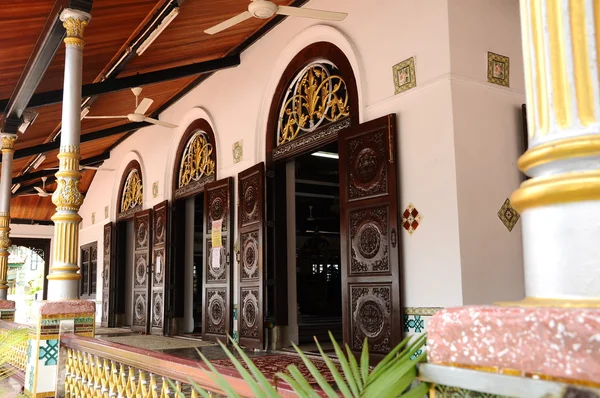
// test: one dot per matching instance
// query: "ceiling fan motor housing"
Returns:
(262, 9)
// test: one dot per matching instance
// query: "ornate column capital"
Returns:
(8, 142)
(75, 22)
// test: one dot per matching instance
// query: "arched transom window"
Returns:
(132, 195)
(197, 161)
(315, 97)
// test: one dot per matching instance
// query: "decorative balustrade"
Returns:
(96, 368)
(17, 353)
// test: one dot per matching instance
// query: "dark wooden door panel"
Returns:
(159, 266)
(251, 238)
(369, 236)
(217, 281)
(108, 283)
(142, 227)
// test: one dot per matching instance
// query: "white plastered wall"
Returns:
(236, 103)
(488, 141)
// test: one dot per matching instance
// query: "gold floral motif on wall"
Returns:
(132, 191)
(316, 96)
(197, 160)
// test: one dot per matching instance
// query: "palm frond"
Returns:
(391, 378)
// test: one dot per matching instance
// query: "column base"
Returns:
(553, 303)
(54, 318)
(558, 344)
(7, 310)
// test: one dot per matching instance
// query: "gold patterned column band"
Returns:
(67, 195)
(555, 189)
(66, 245)
(75, 28)
(8, 143)
(560, 48)
(561, 43)
(4, 245)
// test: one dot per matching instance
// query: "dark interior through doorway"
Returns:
(318, 274)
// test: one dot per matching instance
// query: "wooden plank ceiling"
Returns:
(114, 26)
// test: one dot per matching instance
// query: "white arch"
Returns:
(193, 114)
(133, 155)
(313, 34)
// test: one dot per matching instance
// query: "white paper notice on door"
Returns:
(158, 265)
(217, 233)
(216, 257)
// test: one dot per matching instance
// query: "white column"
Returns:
(560, 205)
(64, 277)
(8, 141)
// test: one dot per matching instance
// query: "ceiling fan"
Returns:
(81, 168)
(138, 114)
(263, 9)
(42, 191)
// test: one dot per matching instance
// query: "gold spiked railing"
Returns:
(15, 352)
(97, 368)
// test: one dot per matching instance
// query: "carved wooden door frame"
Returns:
(251, 199)
(108, 283)
(217, 282)
(160, 223)
(142, 270)
(370, 252)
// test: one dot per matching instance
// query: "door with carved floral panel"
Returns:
(251, 229)
(108, 275)
(218, 272)
(142, 226)
(159, 267)
(369, 236)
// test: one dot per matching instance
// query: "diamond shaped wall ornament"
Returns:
(508, 215)
(411, 218)
(498, 69)
(404, 75)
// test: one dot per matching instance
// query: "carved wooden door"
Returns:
(108, 284)
(218, 273)
(141, 270)
(369, 236)
(159, 267)
(251, 230)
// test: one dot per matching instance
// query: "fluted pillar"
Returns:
(63, 278)
(560, 204)
(8, 151)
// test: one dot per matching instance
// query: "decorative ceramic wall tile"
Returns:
(422, 311)
(414, 323)
(411, 219)
(49, 352)
(498, 69)
(236, 336)
(440, 391)
(404, 75)
(238, 151)
(94, 218)
(508, 215)
(155, 189)
(105, 211)
(235, 312)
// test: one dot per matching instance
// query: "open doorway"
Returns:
(193, 248)
(124, 274)
(317, 216)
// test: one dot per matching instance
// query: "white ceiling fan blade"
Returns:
(105, 117)
(160, 123)
(310, 13)
(143, 106)
(95, 168)
(228, 23)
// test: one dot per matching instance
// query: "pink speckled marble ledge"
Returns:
(551, 343)
(7, 305)
(65, 307)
